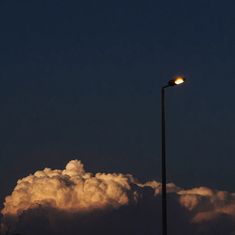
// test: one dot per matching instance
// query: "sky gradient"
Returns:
(82, 79)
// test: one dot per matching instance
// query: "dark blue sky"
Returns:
(82, 79)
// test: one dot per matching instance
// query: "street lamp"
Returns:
(174, 82)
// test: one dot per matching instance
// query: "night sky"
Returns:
(82, 79)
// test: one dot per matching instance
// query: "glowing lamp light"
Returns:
(176, 81)
(179, 80)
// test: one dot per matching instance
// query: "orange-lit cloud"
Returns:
(75, 191)
(71, 189)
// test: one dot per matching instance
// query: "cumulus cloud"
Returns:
(75, 201)
(71, 189)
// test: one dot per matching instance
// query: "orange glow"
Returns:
(179, 80)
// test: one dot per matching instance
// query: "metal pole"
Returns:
(164, 199)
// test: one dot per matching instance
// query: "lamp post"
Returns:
(171, 83)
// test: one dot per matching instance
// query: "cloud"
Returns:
(73, 201)
(71, 189)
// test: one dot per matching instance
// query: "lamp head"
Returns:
(177, 81)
